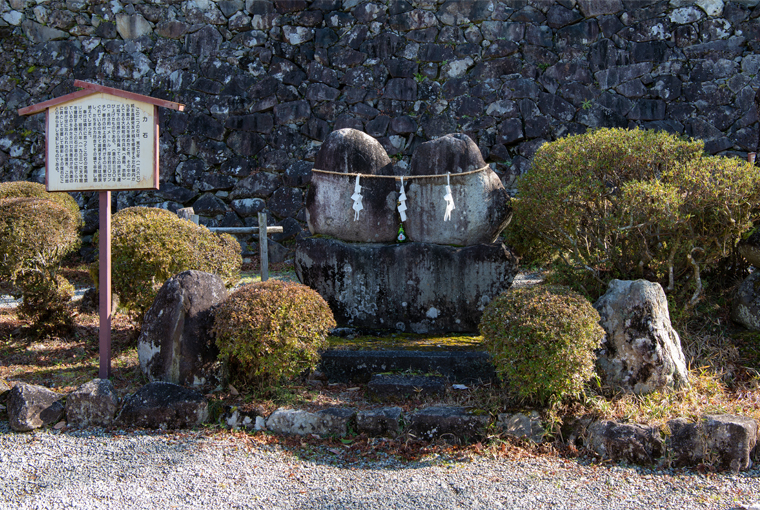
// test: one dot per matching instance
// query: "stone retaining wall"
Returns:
(265, 82)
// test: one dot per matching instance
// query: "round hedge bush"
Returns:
(542, 341)
(619, 203)
(271, 330)
(35, 235)
(150, 245)
(25, 189)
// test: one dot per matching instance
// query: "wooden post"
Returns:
(104, 280)
(263, 246)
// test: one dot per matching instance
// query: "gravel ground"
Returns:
(93, 469)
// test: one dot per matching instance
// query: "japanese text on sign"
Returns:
(97, 143)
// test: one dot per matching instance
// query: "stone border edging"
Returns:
(722, 442)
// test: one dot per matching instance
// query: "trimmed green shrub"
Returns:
(24, 189)
(149, 246)
(617, 203)
(271, 330)
(35, 235)
(542, 341)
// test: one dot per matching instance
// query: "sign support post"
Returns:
(101, 139)
(104, 280)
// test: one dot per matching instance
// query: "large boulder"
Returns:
(163, 405)
(482, 205)
(745, 307)
(641, 352)
(176, 344)
(414, 287)
(93, 404)
(31, 407)
(329, 206)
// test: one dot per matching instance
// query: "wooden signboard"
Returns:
(101, 139)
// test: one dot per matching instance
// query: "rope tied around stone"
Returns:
(399, 177)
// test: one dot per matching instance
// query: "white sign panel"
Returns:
(101, 142)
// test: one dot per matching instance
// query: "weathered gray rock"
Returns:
(415, 287)
(329, 207)
(176, 344)
(31, 407)
(93, 404)
(745, 307)
(132, 26)
(324, 423)
(625, 441)
(383, 386)
(522, 425)
(641, 352)
(725, 442)
(163, 405)
(384, 422)
(454, 424)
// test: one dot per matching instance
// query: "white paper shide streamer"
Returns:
(357, 198)
(449, 198)
(402, 202)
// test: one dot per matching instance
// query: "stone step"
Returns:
(398, 386)
(466, 367)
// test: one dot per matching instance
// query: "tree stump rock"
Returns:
(31, 407)
(641, 352)
(414, 287)
(176, 344)
(93, 403)
(163, 405)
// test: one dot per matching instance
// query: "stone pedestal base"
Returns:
(413, 287)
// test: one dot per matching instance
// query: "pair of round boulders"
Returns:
(481, 204)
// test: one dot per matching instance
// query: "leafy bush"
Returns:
(35, 235)
(542, 341)
(273, 329)
(149, 246)
(24, 189)
(633, 203)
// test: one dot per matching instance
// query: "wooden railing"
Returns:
(189, 214)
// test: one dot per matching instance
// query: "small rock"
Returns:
(455, 424)
(5, 388)
(93, 403)
(235, 418)
(724, 441)
(322, 423)
(745, 307)
(401, 386)
(625, 441)
(384, 422)
(163, 405)
(521, 425)
(31, 407)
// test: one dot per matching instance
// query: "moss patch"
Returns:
(407, 342)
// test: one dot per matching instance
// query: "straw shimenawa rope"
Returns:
(398, 177)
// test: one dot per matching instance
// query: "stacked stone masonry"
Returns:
(265, 82)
